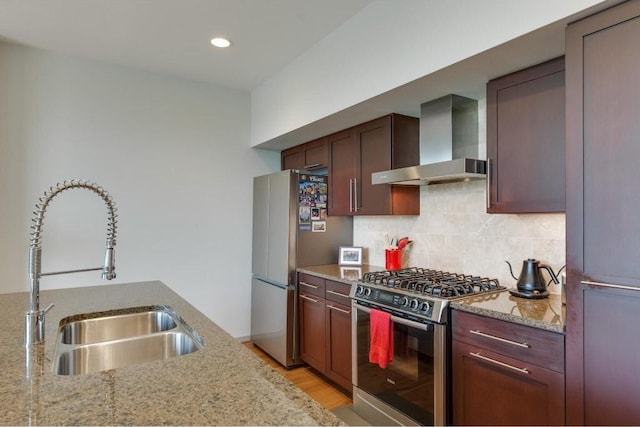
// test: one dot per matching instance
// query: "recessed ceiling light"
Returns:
(220, 42)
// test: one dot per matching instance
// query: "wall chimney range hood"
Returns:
(448, 145)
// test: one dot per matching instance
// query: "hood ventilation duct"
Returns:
(448, 145)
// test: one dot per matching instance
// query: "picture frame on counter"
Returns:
(350, 255)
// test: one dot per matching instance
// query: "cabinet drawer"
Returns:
(338, 292)
(530, 345)
(313, 285)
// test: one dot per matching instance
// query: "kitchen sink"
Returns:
(109, 326)
(117, 338)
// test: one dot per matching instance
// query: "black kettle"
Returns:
(531, 284)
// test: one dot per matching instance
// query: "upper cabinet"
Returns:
(354, 154)
(603, 272)
(526, 140)
(307, 157)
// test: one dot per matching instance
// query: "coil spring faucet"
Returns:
(34, 318)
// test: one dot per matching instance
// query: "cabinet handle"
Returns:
(339, 309)
(488, 183)
(309, 299)
(497, 362)
(312, 166)
(609, 285)
(493, 337)
(350, 195)
(329, 291)
(355, 195)
(309, 285)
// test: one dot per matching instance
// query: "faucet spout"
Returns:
(34, 318)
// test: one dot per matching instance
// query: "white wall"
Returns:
(388, 44)
(174, 155)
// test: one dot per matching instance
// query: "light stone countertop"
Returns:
(222, 384)
(340, 273)
(547, 313)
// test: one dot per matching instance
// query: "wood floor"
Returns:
(307, 380)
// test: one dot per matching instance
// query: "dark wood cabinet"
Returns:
(354, 154)
(311, 308)
(338, 333)
(505, 373)
(526, 140)
(307, 157)
(603, 272)
(342, 159)
(325, 327)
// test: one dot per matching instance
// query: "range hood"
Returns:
(448, 145)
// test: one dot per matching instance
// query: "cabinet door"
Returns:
(526, 140)
(312, 330)
(373, 142)
(603, 272)
(338, 344)
(342, 172)
(292, 158)
(492, 389)
(316, 154)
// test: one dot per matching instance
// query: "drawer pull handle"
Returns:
(329, 291)
(309, 285)
(339, 309)
(609, 285)
(493, 337)
(309, 299)
(497, 362)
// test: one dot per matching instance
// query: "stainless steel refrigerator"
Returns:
(290, 229)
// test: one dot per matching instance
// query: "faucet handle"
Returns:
(49, 307)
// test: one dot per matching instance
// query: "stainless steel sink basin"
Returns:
(111, 326)
(114, 339)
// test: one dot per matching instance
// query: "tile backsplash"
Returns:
(454, 233)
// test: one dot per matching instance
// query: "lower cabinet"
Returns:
(505, 373)
(325, 327)
(312, 330)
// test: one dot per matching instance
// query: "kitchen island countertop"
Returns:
(223, 383)
(547, 313)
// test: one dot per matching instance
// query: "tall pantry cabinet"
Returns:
(603, 217)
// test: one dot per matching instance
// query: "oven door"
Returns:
(414, 383)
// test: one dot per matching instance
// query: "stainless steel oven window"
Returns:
(414, 382)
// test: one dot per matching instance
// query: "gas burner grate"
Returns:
(435, 283)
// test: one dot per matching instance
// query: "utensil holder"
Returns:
(392, 259)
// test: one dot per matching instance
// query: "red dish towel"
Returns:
(381, 332)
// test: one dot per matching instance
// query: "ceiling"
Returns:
(172, 36)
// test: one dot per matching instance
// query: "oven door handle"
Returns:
(395, 319)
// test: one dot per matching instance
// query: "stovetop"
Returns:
(418, 294)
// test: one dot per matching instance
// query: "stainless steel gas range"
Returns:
(413, 389)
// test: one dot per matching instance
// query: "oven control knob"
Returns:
(404, 301)
(367, 292)
(359, 289)
(424, 306)
(413, 304)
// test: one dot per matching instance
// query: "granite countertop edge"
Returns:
(500, 315)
